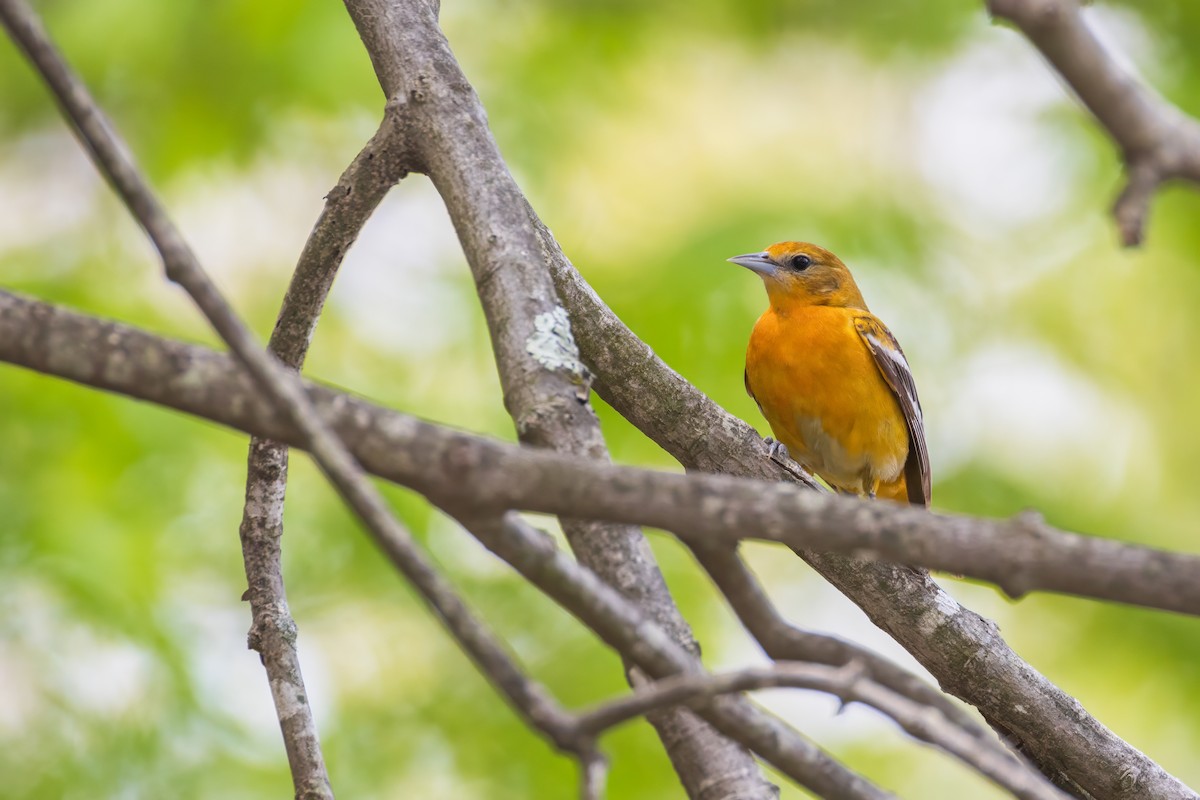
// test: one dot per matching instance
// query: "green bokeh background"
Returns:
(932, 150)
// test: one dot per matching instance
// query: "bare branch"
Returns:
(379, 166)
(1158, 141)
(483, 473)
(545, 385)
(284, 387)
(593, 773)
(273, 632)
(783, 641)
(848, 683)
(643, 642)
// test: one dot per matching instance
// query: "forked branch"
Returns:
(1158, 141)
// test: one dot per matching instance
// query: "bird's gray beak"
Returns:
(759, 262)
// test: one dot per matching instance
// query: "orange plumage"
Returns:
(831, 379)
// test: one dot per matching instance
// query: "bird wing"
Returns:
(895, 370)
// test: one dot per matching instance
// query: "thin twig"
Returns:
(273, 632)
(639, 639)
(783, 641)
(1158, 141)
(283, 386)
(850, 684)
(593, 773)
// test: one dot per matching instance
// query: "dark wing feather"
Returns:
(895, 370)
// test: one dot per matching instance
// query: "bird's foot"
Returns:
(777, 451)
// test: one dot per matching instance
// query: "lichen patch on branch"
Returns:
(552, 345)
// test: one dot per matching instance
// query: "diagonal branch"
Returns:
(704, 510)
(1158, 141)
(283, 386)
(273, 631)
(545, 386)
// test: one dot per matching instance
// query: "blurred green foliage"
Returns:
(932, 150)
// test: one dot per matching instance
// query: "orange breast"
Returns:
(819, 388)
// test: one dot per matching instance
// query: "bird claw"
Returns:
(777, 451)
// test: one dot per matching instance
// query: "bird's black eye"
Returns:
(801, 262)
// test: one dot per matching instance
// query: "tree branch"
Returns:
(783, 641)
(703, 509)
(848, 683)
(646, 644)
(545, 386)
(283, 386)
(273, 631)
(1158, 141)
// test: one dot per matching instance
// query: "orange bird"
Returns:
(831, 379)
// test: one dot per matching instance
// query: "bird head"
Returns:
(802, 274)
